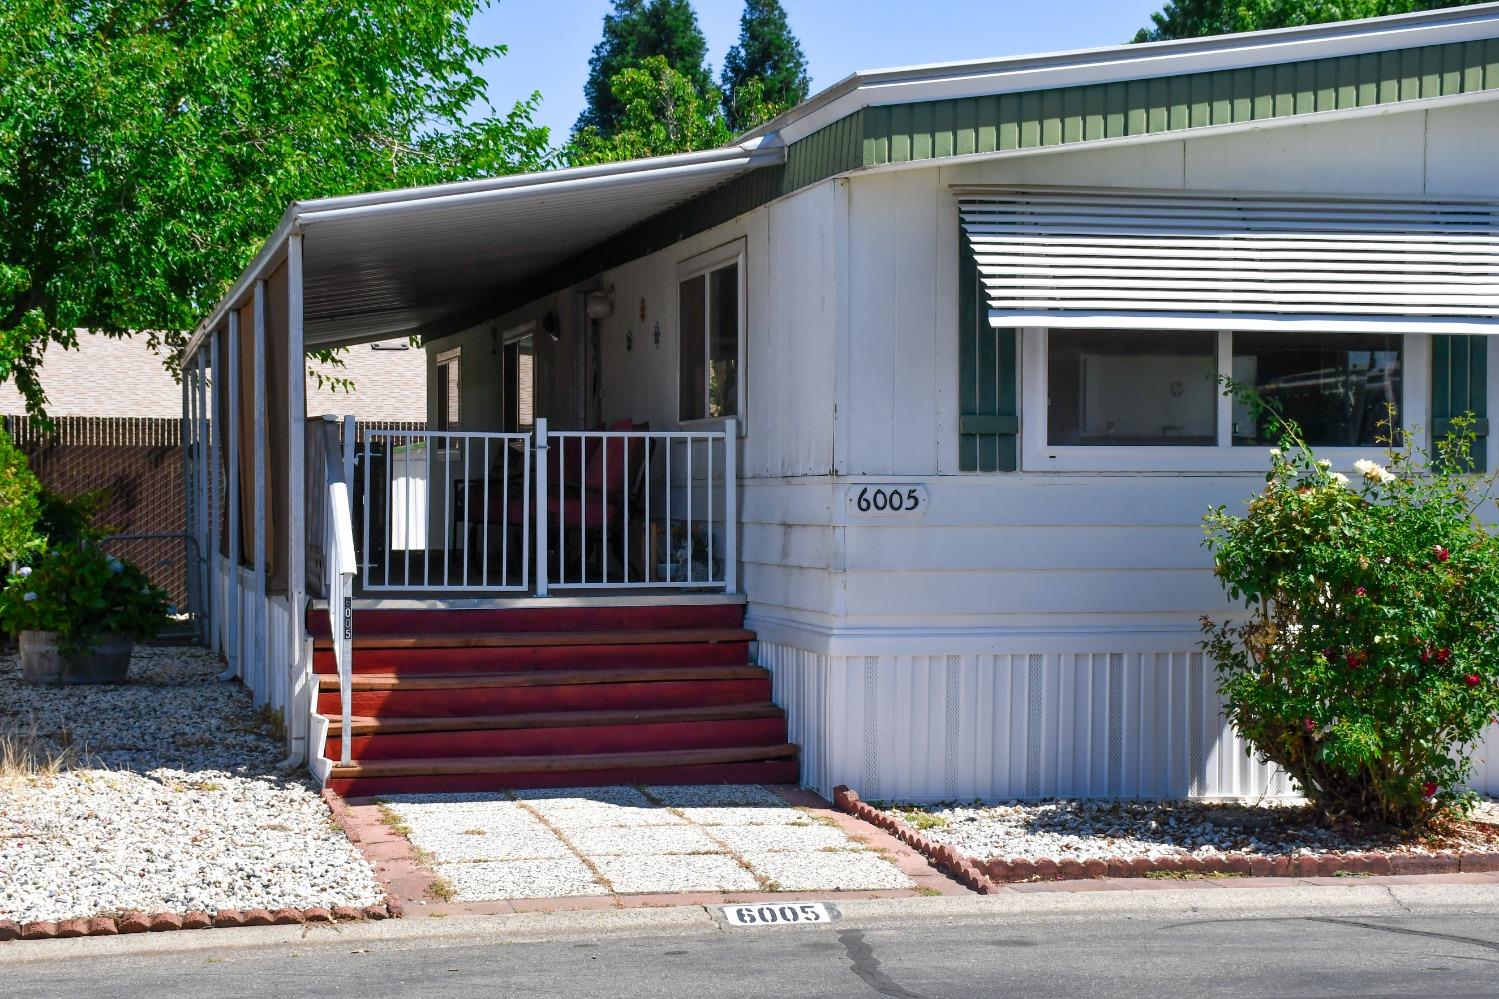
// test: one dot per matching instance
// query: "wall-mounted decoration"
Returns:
(642, 309)
(629, 339)
(600, 304)
(656, 334)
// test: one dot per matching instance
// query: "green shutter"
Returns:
(1459, 385)
(988, 424)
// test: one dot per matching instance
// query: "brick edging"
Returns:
(1001, 870)
(962, 869)
(143, 922)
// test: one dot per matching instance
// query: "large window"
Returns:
(711, 320)
(1337, 387)
(1112, 389)
(1152, 399)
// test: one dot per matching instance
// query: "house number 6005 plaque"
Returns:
(886, 500)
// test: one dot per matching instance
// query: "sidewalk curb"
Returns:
(1281, 902)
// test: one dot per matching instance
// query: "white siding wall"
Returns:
(1034, 633)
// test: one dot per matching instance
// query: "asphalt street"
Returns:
(908, 951)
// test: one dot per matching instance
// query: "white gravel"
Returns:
(630, 841)
(171, 802)
(1084, 830)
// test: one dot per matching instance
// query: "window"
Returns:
(1110, 388)
(520, 384)
(1151, 399)
(449, 402)
(710, 320)
(1337, 387)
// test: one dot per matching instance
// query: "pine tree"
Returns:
(1194, 18)
(634, 31)
(769, 52)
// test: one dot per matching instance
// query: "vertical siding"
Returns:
(1022, 726)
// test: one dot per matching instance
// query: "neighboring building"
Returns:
(109, 377)
(117, 411)
(963, 323)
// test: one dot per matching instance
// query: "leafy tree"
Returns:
(634, 31)
(20, 502)
(661, 112)
(768, 53)
(1193, 18)
(147, 147)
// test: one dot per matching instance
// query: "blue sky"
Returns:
(550, 40)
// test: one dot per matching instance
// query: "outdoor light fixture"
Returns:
(600, 304)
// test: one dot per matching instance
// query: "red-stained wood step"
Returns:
(725, 614)
(546, 657)
(767, 772)
(364, 725)
(396, 703)
(669, 736)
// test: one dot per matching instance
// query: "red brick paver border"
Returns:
(1024, 874)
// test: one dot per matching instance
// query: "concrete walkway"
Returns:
(453, 854)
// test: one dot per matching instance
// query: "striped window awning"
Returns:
(1163, 260)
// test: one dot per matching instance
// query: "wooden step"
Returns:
(539, 678)
(569, 741)
(670, 613)
(552, 719)
(546, 657)
(532, 639)
(777, 771)
(563, 764)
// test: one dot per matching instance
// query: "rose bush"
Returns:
(1368, 665)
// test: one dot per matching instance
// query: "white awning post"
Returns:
(541, 506)
(215, 479)
(730, 507)
(185, 434)
(231, 485)
(258, 665)
(296, 502)
(200, 505)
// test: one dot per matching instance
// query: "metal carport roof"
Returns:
(382, 265)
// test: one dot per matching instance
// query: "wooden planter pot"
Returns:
(45, 660)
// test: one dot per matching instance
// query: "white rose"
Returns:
(1340, 478)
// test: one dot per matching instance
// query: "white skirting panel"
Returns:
(960, 727)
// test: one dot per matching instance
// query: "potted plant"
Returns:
(78, 612)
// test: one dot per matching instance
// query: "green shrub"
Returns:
(81, 592)
(1368, 666)
(19, 503)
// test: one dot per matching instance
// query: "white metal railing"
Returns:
(446, 510)
(636, 509)
(339, 562)
(572, 509)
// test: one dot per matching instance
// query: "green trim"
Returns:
(908, 133)
(932, 130)
(989, 420)
(1459, 385)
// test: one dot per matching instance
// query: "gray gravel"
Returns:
(169, 800)
(1082, 830)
